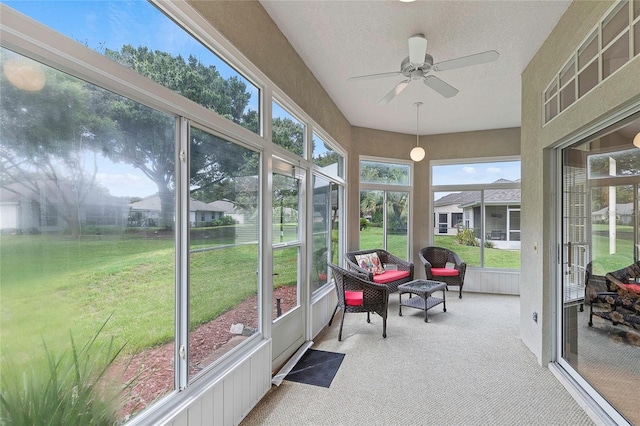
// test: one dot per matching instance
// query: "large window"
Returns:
(384, 206)
(96, 212)
(224, 255)
(476, 211)
(88, 230)
(326, 229)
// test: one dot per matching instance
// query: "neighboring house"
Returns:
(146, 212)
(228, 208)
(41, 207)
(624, 214)
(463, 209)
(448, 213)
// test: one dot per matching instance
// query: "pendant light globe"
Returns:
(417, 153)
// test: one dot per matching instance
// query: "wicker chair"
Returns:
(596, 291)
(374, 297)
(435, 260)
(392, 278)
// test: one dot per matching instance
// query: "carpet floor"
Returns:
(467, 366)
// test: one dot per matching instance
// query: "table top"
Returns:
(422, 286)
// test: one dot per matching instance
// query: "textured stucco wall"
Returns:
(537, 184)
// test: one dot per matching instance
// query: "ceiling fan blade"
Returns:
(440, 86)
(374, 76)
(394, 92)
(417, 49)
(467, 61)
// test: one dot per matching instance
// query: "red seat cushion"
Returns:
(445, 272)
(353, 298)
(389, 276)
(632, 287)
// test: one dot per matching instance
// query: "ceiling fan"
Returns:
(419, 65)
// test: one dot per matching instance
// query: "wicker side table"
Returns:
(423, 289)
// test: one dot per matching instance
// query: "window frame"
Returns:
(386, 188)
(481, 188)
(552, 97)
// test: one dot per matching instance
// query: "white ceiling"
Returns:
(342, 39)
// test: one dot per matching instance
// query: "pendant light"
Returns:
(636, 140)
(417, 153)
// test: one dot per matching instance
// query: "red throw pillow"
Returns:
(353, 298)
(632, 287)
(445, 272)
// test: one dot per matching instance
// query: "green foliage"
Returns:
(466, 237)
(71, 388)
(380, 172)
(289, 135)
(363, 223)
(371, 205)
(489, 244)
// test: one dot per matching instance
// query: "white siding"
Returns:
(492, 281)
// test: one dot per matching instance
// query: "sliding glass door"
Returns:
(600, 225)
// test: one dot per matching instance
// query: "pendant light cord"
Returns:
(417, 104)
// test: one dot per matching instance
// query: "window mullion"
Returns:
(182, 259)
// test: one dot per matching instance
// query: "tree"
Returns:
(289, 135)
(371, 205)
(216, 165)
(384, 173)
(49, 142)
(145, 132)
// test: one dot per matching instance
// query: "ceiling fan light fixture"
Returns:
(636, 140)
(417, 48)
(417, 153)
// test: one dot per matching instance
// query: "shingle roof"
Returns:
(491, 196)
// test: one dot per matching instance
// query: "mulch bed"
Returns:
(153, 369)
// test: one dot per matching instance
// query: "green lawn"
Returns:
(371, 237)
(52, 286)
(603, 260)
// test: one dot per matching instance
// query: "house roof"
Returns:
(225, 206)
(152, 203)
(491, 196)
(624, 209)
(469, 198)
(16, 192)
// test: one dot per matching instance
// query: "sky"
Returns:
(112, 24)
(459, 174)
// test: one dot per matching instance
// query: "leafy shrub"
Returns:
(225, 221)
(363, 223)
(71, 389)
(466, 237)
(489, 244)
